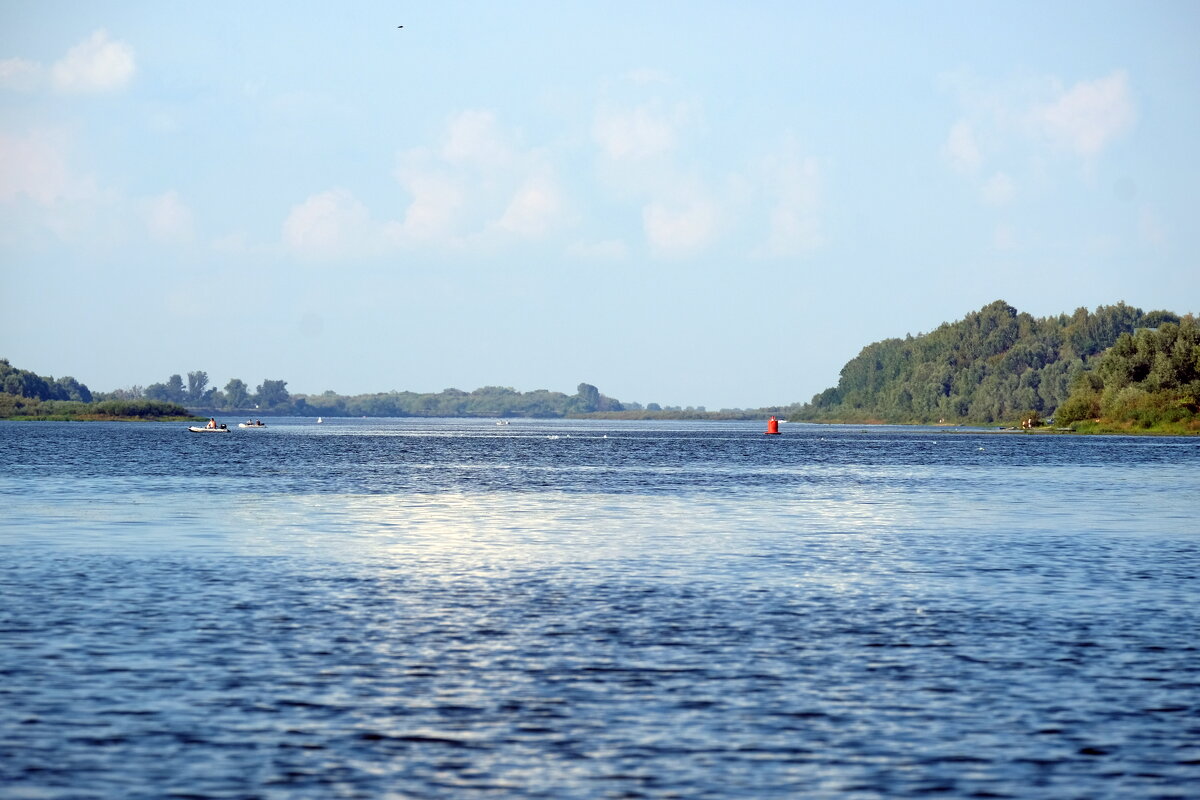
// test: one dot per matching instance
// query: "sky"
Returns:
(695, 204)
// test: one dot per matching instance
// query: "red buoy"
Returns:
(772, 427)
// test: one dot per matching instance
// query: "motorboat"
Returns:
(205, 429)
(255, 424)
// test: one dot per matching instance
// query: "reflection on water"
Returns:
(449, 609)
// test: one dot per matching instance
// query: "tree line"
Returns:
(1148, 378)
(487, 401)
(27, 395)
(994, 365)
(268, 395)
(23, 383)
(272, 397)
(24, 391)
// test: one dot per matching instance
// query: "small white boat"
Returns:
(252, 425)
(502, 422)
(199, 429)
(319, 420)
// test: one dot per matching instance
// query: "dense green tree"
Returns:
(158, 392)
(1077, 407)
(24, 383)
(588, 397)
(197, 381)
(271, 393)
(74, 390)
(992, 365)
(1156, 318)
(237, 394)
(1149, 376)
(170, 392)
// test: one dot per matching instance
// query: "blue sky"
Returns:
(707, 204)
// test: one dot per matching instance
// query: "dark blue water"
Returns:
(453, 609)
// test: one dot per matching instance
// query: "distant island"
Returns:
(272, 397)
(1117, 369)
(1114, 370)
(26, 395)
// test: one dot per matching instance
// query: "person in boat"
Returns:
(212, 422)
(258, 422)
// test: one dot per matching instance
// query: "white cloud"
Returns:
(42, 193)
(605, 250)
(96, 64)
(1030, 113)
(961, 147)
(477, 184)
(640, 149)
(473, 190)
(435, 209)
(1033, 132)
(168, 218)
(473, 137)
(998, 190)
(19, 74)
(534, 209)
(793, 182)
(1089, 116)
(330, 224)
(681, 228)
(636, 133)
(35, 167)
(769, 205)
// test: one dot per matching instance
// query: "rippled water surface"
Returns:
(455, 609)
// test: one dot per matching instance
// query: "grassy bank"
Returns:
(15, 407)
(100, 418)
(1133, 428)
(1189, 427)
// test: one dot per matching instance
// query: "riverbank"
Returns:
(1133, 428)
(1081, 427)
(99, 418)
(15, 407)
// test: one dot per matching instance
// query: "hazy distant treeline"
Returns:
(272, 397)
(488, 401)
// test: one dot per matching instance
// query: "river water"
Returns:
(556, 609)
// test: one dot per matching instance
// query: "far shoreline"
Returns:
(1080, 428)
(99, 418)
